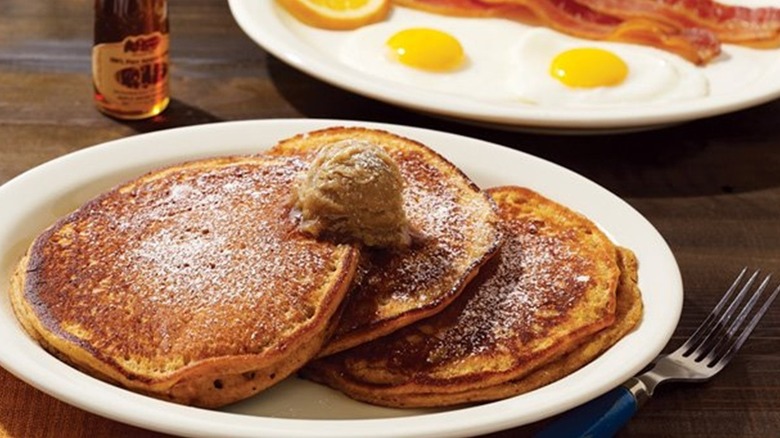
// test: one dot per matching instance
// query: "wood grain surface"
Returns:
(711, 187)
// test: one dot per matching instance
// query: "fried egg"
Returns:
(549, 68)
(459, 62)
(543, 67)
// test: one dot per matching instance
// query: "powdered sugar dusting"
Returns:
(197, 261)
(530, 285)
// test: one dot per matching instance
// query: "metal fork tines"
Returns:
(705, 353)
(717, 339)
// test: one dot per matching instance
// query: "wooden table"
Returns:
(711, 187)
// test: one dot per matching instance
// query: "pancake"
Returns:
(454, 229)
(627, 315)
(190, 284)
(556, 296)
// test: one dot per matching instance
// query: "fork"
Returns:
(704, 354)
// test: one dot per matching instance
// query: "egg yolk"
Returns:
(588, 68)
(427, 49)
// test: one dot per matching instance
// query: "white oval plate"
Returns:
(739, 79)
(298, 408)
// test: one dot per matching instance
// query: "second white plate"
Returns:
(739, 79)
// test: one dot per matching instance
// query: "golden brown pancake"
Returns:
(517, 326)
(454, 227)
(190, 284)
(627, 315)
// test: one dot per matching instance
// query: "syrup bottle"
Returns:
(130, 58)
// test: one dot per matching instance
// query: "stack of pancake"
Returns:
(193, 284)
(556, 296)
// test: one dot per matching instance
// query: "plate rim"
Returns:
(275, 37)
(34, 366)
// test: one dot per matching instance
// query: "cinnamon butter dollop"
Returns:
(353, 191)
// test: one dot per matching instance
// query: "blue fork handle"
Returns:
(600, 417)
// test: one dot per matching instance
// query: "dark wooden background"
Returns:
(711, 187)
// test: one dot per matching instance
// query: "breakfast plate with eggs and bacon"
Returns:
(573, 66)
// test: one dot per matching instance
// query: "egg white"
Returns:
(654, 76)
(481, 76)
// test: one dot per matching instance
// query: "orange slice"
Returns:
(337, 14)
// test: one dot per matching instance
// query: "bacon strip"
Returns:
(568, 16)
(473, 8)
(757, 27)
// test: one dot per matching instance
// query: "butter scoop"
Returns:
(353, 190)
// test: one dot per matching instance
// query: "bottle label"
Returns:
(132, 75)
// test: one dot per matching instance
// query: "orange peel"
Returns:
(337, 14)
